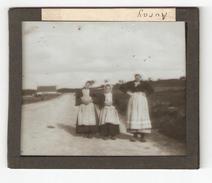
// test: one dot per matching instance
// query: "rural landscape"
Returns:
(167, 110)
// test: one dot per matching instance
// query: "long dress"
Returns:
(109, 118)
(87, 116)
(138, 118)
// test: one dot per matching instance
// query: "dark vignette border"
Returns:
(191, 161)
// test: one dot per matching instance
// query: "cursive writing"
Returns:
(149, 14)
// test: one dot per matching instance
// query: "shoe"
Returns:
(113, 137)
(135, 135)
(133, 139)
(142, 140)
(104, 138)
(89, 136)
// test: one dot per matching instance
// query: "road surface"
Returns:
(48, 128)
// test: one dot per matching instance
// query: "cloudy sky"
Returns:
(67, 54)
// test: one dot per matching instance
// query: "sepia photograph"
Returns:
(103, 88)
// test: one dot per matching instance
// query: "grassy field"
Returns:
(168, 113)
(167, 108)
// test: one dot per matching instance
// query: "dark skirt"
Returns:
(138, 131)
(109, 129)
(87, 129)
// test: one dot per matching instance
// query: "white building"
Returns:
(47, 90)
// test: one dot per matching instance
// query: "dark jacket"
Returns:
(142, 87)
(79, 95)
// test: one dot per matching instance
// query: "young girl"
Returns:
(87, 116)
(109, 119)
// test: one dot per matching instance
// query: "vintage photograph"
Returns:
(103, 89)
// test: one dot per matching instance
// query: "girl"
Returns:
(138, 110)
(87, 116)
(109, 119)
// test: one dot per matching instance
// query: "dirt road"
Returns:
(48, 128)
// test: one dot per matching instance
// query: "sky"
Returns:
(67, 54)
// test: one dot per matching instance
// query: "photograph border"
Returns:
(190, 15)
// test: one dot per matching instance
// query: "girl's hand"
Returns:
(129, 93)
(90, 101)
(86, 102)
(108, 103)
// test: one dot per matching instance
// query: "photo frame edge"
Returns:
(191, 161)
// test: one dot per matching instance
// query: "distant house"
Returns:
(46, 90)
(183, 78)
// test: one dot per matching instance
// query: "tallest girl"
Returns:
(138, 119)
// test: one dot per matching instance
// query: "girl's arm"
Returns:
(99, 100)
(126, 88)
(148, 89)
(129, 93)
(123, 88)
(77, 97)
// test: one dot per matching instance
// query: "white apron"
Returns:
(109, 114)
(138, 118)
(86, 113)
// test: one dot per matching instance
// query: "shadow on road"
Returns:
(124, 136)
(72, 130)
(69, 129)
